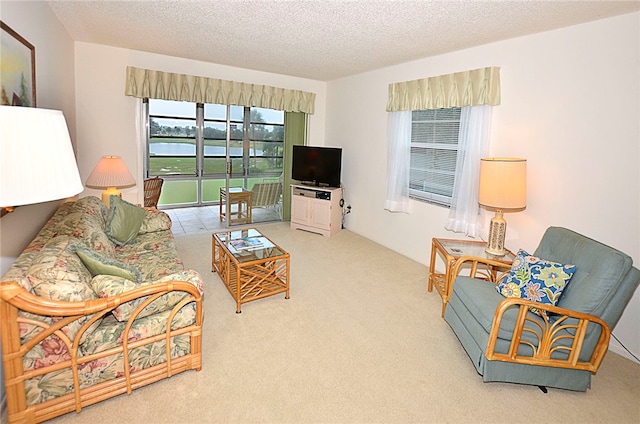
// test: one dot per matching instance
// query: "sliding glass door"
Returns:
(199, 148)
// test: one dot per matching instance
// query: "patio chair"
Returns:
(265, 195)
(152, 191)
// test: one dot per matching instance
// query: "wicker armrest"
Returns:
(18, 297)
(481, 268)
(549, 333)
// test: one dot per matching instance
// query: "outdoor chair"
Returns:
(265, 195)
(152, 191)
(559, 346)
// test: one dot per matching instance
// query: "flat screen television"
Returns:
(318, 166)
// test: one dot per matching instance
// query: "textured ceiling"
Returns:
(318, 39)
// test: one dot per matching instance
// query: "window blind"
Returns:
(434, 151)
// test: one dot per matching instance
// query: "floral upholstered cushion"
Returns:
(154, 254)
(110, 332)
(124, 221)
(57, 273)
(108, 335)
(85, 221)
(98, 264)
(106, 286)
(155, 220)
(536, 279)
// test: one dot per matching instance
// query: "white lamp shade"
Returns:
(37, 163)
(503, 183)
(110, 171)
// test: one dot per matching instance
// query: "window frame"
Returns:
(245, 139)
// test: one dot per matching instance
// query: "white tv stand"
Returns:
(316, 209)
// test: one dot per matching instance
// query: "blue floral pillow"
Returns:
(536, 279)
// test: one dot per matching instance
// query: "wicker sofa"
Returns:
(76, 289)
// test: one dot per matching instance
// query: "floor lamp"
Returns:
(503, 188)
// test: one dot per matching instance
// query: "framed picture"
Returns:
(17, 69)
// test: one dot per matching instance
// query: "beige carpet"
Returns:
(359, 341)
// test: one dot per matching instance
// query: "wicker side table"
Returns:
(242, 199)
(450, 251)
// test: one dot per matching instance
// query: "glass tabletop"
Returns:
(234, 190)
(459, 248)
(248, 244)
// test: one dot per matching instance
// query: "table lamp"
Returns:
(503, 188)
(110, 174)
(37, 163)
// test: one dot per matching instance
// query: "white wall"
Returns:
(570, 105)
(106, 117)
(55, 90)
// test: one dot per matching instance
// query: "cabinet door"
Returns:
(299, 210)
(320, 213)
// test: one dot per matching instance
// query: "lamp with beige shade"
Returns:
(503, 188)
(110, 174)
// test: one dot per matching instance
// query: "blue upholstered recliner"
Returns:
(562, 348)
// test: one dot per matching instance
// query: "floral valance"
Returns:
(469, 88)
(145, 83)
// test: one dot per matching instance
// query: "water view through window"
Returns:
(188, 145)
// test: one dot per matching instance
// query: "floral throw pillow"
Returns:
(536, 279)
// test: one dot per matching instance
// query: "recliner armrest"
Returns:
(549, 335)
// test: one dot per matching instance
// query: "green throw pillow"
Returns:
(102, 265)
(124, 221)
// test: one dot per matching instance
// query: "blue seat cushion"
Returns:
(480, 299)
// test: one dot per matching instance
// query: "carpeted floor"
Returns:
(359, 341)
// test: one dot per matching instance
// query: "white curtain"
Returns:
(140, 174)
(473, 144)
(399, 158)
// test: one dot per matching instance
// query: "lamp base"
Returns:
(497, 232)
(110, 191)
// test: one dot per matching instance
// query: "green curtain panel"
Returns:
(295, 130)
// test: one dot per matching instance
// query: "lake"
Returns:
(184, 149)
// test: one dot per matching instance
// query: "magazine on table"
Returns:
(247, 243)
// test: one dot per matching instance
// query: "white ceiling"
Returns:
(318, 39)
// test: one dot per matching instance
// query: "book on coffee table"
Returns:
(246, 243)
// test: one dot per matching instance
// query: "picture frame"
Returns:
(17, 69)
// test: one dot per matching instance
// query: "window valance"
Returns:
(145, 83)
(469, 88)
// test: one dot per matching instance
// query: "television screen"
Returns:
(319, 166)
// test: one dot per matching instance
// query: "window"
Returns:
(172, 138)
(187, 146)
(434, 150)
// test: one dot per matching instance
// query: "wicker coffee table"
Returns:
(250, 265)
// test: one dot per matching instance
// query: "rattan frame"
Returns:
(14, 298)
(546, 333)
(152, 191)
